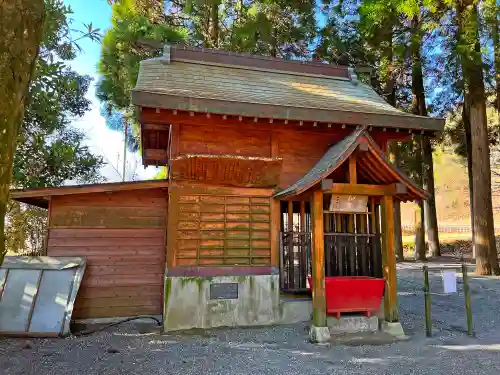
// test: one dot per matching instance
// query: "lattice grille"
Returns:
(223, 230)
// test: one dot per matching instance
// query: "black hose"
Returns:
(102, 328)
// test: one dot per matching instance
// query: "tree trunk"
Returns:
(214, 24)
(430, 212)
(21, 28)
(419, 232)
(419, 211)
(484, 233)
(419, 108)
(390, 97)
(398, 233)
(468, 146)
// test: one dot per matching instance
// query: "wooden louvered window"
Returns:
(223, 230)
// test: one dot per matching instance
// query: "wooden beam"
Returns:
(247, 109)
(172, 232)
(290, 216)
(86, 189)
(302, 216)
(363, 147)
(372, 216)
(352, 169)
(155, 154)
(174, 139)
(291, 265)
(318, 262)
(361, 189)
(275, 232)
(156, 127)
(389, 260)
(326, 184)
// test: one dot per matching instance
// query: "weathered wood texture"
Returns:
(318, 262)
(221, 140)
(216, 226)
(300, 150)
(300, 146)
(122, 236)
(389, 260)
(227, 170)
(249, 92)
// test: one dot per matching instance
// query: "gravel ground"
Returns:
(284, 349)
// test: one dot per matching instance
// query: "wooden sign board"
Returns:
(349, 203)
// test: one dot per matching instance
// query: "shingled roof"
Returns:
(372, 165)
(211, 81)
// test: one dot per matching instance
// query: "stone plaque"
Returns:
(224, 291)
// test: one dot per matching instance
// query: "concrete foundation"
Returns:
(394, 329)
(252, 300)
(319, 335)
(189, 302)
(352, 324)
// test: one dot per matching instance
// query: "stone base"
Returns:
(319, 335)
(295, 311)
(352, 324)
(189, 302)
(394, 329)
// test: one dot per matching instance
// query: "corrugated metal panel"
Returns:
(37, 294)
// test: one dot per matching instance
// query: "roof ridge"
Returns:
(225, 58)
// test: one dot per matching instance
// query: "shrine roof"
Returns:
(212, 81)
(372, 165)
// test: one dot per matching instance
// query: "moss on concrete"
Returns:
(194, 279)
(166, 291)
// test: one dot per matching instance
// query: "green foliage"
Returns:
(273, 28)
(25, 232)
(139, 27)
(121, 52)
(50, 151)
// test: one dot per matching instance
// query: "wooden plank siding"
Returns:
(300, 150)
(216, 140)
(122, 236)
(218, 226)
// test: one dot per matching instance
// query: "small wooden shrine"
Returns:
(277, 171)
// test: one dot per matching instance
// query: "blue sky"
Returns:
(100, 139)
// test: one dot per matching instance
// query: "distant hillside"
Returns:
(452, 192)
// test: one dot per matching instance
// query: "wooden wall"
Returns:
(300, 150)
(219, 226)
(122, 236)
(217, 140)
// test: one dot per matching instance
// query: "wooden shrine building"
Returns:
(277, 170)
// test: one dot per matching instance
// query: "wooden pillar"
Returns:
(389, 260)
(352, 170)
(318, 262)
(275, 232)
(302, 216)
